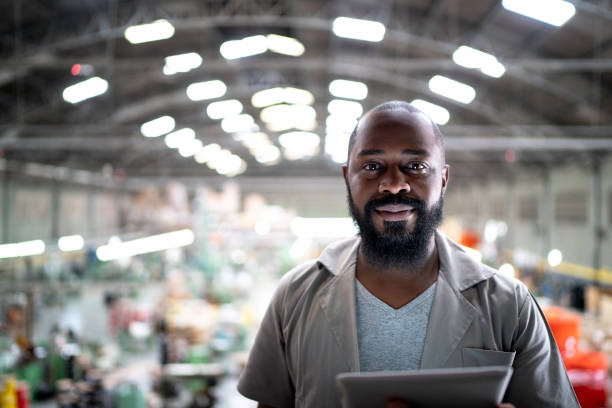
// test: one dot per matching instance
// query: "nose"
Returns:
(394, 182)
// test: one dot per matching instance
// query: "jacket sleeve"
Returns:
(539, 378)
(266, 377)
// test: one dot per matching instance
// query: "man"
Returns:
(400, 295)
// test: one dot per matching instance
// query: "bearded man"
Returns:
(400, 295)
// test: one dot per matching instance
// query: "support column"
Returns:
(545, 213)
(597, 209)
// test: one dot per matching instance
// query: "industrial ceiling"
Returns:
(551, 106)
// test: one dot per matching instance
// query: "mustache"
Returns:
(417, 204)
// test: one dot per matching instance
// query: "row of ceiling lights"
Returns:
(287, 108)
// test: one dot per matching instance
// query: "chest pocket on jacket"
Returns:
(473, 357)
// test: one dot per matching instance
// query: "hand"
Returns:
(396, 403)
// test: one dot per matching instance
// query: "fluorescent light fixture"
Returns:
(154, 243)
(253, 140)
(435, 112)
(472, 58)
(341, 227)
(84, 90)
(340, 124)
(507, 270)
(341, 107)
(182, 63)
(299, 144)
(218, 159)
(175, 139)
(554, 258)
(358, 29)
(284, 113)
(239, 123)
(222, 109)
(267, 155)
(257, 44)
(157, 127)
(554, 12)
(233, 165)
(190, 147)
(155, 31)
(342, 88)
(452, 89)
(71, 243)
(207, 152)
(277, 95)
(336, 146)
(27, 248)
(285, 45)
(206, 90)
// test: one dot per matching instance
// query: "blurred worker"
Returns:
(400, 295)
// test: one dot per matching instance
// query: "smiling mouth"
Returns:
(395, 212)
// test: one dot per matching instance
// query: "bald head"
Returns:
(398, 107)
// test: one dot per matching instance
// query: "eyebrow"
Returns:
(374, 152)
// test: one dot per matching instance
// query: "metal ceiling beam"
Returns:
(452, 143)
(314, 23)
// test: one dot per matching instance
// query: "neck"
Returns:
(397, 285)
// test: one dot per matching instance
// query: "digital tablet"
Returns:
(473, 387)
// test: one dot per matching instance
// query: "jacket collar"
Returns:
(459, 268)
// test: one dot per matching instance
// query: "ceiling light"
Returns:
(472, 58)
(267, 155)
(222, 109)
(299, 144)
(340, 124)
(175, 139)
(285, 45)
(286, 113)
(206, 90)
(554, 12)
(336, 145)
(253, 140)
(175, 239)
(452, 89)
(84, 90)
(240, 123)
(342, 88)
(232, 166)
(155, 31)
(190, 147)
(257, 44)
(157, 127)
(274, 96)
(218, 158)
(358, 29)
(27, 248)
(345, 108)
(323, 227)
(207, 152)
(554, 258)
(435, 112)
(182, 63)
(71, 243)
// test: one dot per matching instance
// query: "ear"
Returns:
(445, 176)
(345, 173)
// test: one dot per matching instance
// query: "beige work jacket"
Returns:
(478, 317)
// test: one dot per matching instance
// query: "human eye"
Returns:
(371, 167)
(416, 167)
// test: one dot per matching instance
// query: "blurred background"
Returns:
(164, 163)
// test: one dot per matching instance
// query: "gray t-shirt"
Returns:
(388, 338)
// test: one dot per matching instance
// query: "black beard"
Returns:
(396, 246)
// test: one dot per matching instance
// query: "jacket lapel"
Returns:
(338, 304)
(451, 313)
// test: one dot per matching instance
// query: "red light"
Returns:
(510, 156)
(76, 69)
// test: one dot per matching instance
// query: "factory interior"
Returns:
(165, 163)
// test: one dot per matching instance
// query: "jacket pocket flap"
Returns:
(473, 357)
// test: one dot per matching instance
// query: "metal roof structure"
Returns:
(552, 105)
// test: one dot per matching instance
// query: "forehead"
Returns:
(402, 129)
